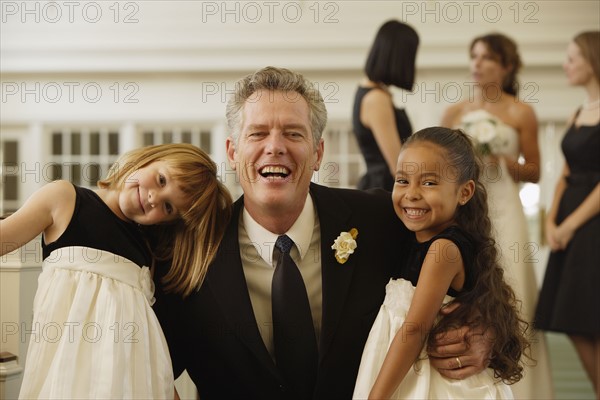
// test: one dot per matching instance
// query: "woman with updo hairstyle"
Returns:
(504, 130)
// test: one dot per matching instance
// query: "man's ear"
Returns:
(231, 153)
(320, 149)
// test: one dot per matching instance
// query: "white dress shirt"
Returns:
(256, 247)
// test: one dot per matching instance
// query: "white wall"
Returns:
(181, 57)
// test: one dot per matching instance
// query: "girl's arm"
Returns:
(48, 210)
(528, 143)
(377, 114)
(442, 268)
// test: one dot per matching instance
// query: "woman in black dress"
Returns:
(569, 300)
(380, 127)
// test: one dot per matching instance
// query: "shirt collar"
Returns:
(301, 232)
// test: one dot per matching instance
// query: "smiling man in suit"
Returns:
(231, 334)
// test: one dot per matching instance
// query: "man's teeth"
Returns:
(275, 170)
(415, 212)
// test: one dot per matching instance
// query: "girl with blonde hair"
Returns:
(94, 334)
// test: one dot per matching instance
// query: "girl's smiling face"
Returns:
(427, 192)
(151, 196)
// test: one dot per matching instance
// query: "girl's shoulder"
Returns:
(454, 233)
(64, 197)
(59, 187)
(445, 250)
(453, 238)
(57, 195)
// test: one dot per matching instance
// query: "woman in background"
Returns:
(569, 297)
(503, 129)
(379, 126)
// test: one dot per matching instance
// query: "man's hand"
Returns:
(463, 352)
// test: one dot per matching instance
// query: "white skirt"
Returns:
(94, 334)
(422, 382)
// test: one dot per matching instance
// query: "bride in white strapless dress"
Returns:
(517, 252)
(506, 211)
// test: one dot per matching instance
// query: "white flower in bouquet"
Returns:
(488, 134)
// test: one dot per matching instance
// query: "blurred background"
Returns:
(85, 81)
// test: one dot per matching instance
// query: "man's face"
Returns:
(275, 155)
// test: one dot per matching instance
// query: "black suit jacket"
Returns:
(213, 333)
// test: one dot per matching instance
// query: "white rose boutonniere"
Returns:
(486, 132)
(344, 245)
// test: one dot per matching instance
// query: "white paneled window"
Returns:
(343, 164)
(14, 173)
(9, 161)
(198, 136)
(82, 155)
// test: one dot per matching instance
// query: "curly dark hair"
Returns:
(490, 302)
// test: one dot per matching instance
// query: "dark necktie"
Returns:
(293, 331)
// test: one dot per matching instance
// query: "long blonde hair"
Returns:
(192, 241)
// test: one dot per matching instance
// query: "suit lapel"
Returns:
(334, 217)
(227, 282)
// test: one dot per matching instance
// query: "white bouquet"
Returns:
(488, 134)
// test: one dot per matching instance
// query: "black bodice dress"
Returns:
(378, 174)
(95, 226)
(569, 300)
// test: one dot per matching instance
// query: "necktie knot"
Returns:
(284, 244)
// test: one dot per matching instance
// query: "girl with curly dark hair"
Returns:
(439, 196)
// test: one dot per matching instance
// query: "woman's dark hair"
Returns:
(490, 301)
(392, 57)
(504, 49)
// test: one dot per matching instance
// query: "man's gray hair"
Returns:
(277, 79)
